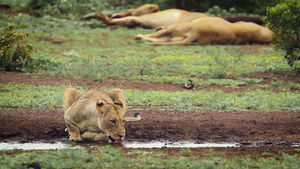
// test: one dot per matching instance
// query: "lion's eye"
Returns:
(113, 122)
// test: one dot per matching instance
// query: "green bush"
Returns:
(284, 21)
(14, 55)
(59, 7)
(56, 7)
(217, 11)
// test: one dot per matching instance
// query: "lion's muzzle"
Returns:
(115, 141)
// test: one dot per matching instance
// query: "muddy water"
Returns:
(62, 145)
(158, 144)
(136, 144)
(34, 146)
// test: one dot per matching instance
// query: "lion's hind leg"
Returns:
(164, 32)
(178, 40)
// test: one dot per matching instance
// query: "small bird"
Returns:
(189, 85)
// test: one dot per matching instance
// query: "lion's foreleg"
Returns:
(74, 132)
(93, 136)
(122, 14)
(129, 21)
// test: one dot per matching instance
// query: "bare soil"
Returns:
(273, 130)
(40, 79)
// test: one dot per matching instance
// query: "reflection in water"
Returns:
(62, 145)
(177, 145)
(35, 146)
(130, 144)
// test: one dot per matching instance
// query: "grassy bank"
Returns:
(29, 96)
(113, 53)
(108, 157)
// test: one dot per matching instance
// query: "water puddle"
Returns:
(134, 144)
(35, 146)
(178, 145)
(62, 145)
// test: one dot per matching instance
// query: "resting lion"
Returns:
(142, 10)
(208, 30)
(153, 20)
(96, 115)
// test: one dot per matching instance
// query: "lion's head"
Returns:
(111, 121)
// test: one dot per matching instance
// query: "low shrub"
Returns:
(284, 21)
(14, 55)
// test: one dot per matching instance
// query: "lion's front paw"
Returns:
(93, 136)
(75, 138)
(102, 138)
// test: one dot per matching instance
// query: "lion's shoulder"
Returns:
(95, 95)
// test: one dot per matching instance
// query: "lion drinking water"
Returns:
(96, 115)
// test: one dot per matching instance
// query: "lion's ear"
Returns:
(102, 109)
(118, 103)
(100, 104)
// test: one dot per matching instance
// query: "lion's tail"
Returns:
(98, 15)
(137, 117)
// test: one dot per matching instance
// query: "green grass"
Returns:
(29, 96)
(113, 53)
(102, 53)
(166, 68)
(108, 157)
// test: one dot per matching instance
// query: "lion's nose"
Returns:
(121, 136)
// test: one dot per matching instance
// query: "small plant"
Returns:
(98, 78)
(14, 55)
(249, 81)
(218, 74)
(266, 154)
(237, 54)
(277, 84)
(186, 152)
(293, 86)
(218, 11)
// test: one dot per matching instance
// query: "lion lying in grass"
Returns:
(142, 10)
(209, 30)
(152, 20)
(96, 115)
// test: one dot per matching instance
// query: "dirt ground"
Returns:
(273, 131)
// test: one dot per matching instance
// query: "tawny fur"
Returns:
(209, 30)
(95, 115)
(153, 20)
(142, 10)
